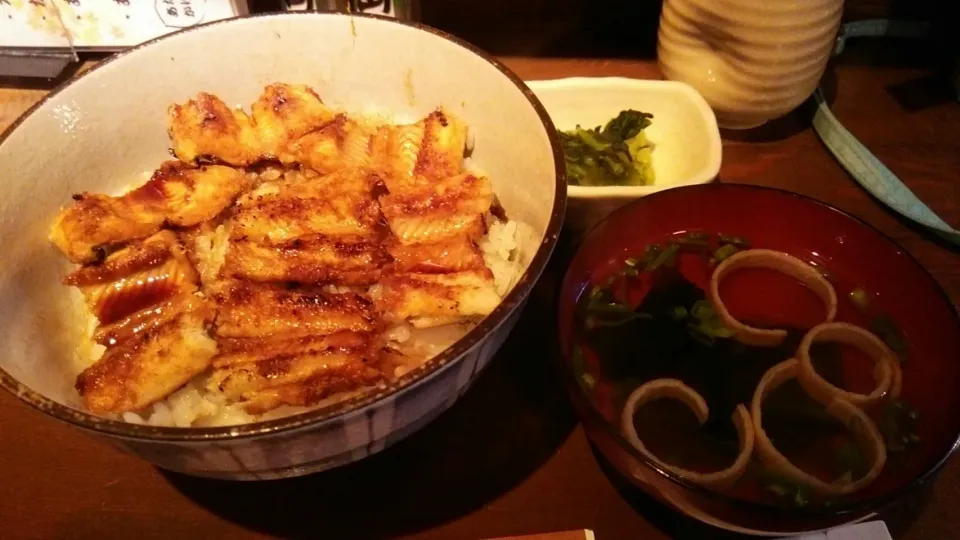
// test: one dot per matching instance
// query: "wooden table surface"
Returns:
(510, 457)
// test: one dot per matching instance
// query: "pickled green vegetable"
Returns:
(618, 154)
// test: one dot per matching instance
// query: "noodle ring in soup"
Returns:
(896, 382)
(855, 420)
(780, 262)
(674, 389)
(886, 372)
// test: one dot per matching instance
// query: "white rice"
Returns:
(501, 253)
(198, 406)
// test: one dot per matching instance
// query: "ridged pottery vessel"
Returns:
(103, 129)
(753, 60)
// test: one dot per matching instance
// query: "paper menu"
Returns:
(104, 24)
(31, 23)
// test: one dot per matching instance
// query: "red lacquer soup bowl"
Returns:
(858, 261)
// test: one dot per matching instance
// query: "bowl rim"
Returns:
(851, 509)
(714, 145)
(357, 404)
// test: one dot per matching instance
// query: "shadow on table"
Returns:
(901, 517)
(501, 431)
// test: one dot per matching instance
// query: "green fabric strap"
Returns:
(865, 168)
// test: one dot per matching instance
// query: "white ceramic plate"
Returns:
(684, 130)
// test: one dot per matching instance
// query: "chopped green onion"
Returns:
(650, 254)
(702, 310)
(782, 487)
(679, 313)
(860, 299)
(596, 297)
(662, 258)
(595, 293)
(630, 261)
(715, 329)
(707, 328)
(737, 241)
(725, 251)
(695, 240)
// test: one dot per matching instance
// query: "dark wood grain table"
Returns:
(509, 458)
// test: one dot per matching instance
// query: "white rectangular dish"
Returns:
(684, 131)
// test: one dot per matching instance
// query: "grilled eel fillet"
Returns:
(289, 123)
(435, 211)
(283, 114)
(430, 149)
(264, 374)
(176, 194)
(282, 346)
(152, 324)
(438, 275)
(435, 214)
(320, 230)
(278, 345)
(262, 311)
(205, 127)
(149, 366)
(131, 284)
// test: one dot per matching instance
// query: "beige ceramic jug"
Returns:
(753, 60)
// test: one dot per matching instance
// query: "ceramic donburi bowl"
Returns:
(101, 131)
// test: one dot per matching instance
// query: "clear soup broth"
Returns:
(646, 316)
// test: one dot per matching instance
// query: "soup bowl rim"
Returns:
(836, 510)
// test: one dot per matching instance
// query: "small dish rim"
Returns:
(714, 148)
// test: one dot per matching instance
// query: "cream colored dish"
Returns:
(687, 148)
